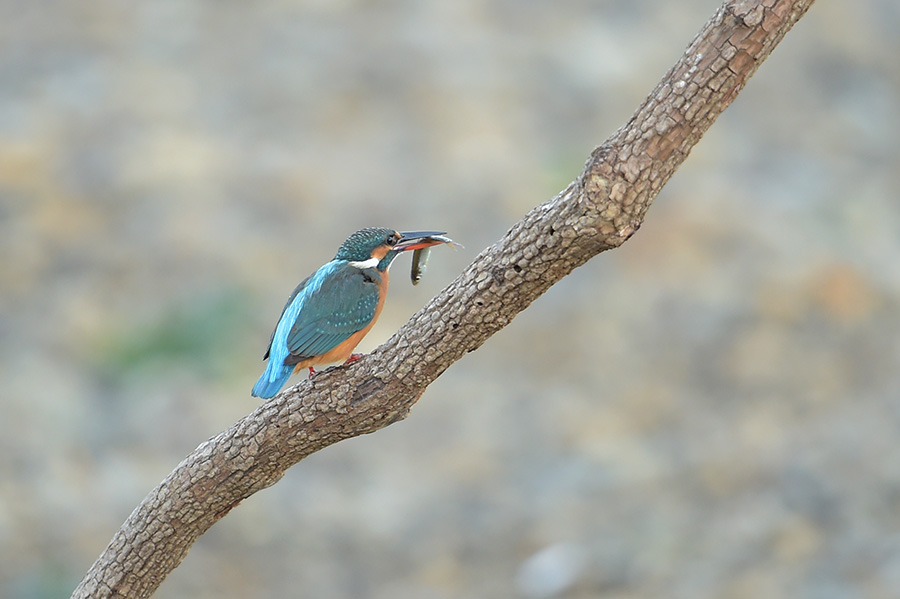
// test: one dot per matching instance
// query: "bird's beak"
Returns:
(415, 240)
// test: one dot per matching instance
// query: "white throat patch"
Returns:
(370, 263)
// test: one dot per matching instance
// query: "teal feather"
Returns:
(345, 303)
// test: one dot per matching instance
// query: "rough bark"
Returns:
(600, 210)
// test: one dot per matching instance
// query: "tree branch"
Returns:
(600, 210)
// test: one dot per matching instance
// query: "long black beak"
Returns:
(414, 240)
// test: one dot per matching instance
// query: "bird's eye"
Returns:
(391, 240)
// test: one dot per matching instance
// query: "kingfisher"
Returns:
(331, 310)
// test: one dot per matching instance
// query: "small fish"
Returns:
(419, 264)
(421, 255)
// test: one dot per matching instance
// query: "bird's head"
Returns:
(377, 246)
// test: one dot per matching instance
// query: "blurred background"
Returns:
(712, 410)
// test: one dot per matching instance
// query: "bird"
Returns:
(330, 311)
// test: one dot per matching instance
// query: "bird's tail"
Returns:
(272, 380)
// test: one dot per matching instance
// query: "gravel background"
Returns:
(710, 411)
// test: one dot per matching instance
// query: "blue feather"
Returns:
(345, 303)
(272, 380)
(277, 373)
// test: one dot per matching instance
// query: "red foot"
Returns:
(312, 372)
(353, 358)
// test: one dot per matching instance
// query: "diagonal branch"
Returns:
(600, 210)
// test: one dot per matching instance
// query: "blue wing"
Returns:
(337, 301)
(277, 372)
(344, 304)
(323, 311)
